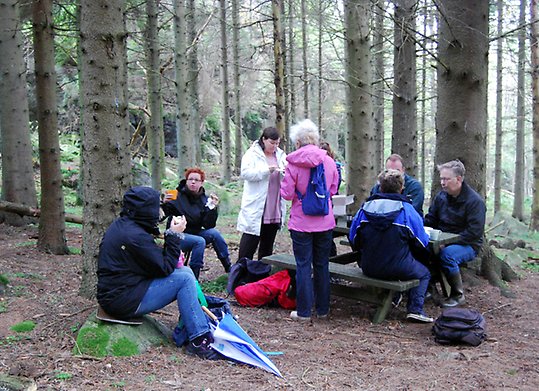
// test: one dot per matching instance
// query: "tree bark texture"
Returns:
(105, 126)
(499, 120)
(360, 137)
(192, 54)
(379, 86)
(404, 136)
(320, 20)
(237, 86)
(292, 117)
(518, 200)
(279, 66)
(51, 223)
(17, 172)
(304, 59)
(184, 135)
(225, 106)
(461, 115)
(155, 129)
(534, 50)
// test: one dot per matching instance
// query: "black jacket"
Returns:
(463, 215)
(129, 258)
(193, 207)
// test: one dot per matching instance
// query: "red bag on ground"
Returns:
(265, 291)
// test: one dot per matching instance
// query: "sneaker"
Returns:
(419, 318)
(203, 349)
(294, 315)
(397, 299)
(323, 317)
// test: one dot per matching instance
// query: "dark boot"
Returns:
(196, 271)
(226, 264)
(457, 291)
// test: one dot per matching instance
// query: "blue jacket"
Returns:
(412, 189)
(193, 207)
(463, 215)
(388, 231)
(129, 259)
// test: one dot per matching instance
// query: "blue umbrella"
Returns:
(233, 342)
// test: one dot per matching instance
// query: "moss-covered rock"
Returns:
(99, 339)
(15, 383)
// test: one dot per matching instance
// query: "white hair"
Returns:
(305, 132)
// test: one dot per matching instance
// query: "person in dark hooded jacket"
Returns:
(201, 214)
(390, 237)
(135, 276)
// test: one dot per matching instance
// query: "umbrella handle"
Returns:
(209, 313)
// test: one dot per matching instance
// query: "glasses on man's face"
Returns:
(194, 180)
(442, 179)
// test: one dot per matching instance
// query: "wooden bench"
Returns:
(371, 290)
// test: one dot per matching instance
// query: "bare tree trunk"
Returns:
(304, 58)
(461, 117)
(379, 71)
(534, 46)
(360, 136)
(155, 129)
(17, 172)
(291, 70)
(225, 152)
(404, 136)
(192, 53)
(499, 120)
(52, 221)
(185, 137)
(237, 87)
(319, 90)
(521, 113)
(423, 128)
(279, 66)
(286, 81)
(105, 141)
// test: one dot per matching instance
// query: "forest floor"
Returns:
(346, 352)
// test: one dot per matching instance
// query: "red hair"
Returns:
(197, 171)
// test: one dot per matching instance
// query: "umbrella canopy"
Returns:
(233, 342)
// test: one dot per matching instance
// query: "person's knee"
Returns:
(183, 275)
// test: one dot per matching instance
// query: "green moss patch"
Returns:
(23, 327)
(124, 347)
(92, 341)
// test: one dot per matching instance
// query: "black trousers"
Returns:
(264, 242)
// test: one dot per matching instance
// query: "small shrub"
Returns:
(23, 327)
(63, 376)
(215, 286)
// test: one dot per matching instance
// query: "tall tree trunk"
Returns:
(155, 128)
(17, 173)
(499, 120)
(291, 70)
(461, 116)
(184, 135)
(192, 54)
(379, 86)
(360, 136)
(286, 87)
(237, 87)
(52, 221)
(319, 89)
(423, 119)
(279, 66)
(304, 59)
(105, 140)
(404, 136)
(534, 46)
(519, 148)
(225, 107)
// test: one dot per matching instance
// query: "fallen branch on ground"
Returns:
(25, 210)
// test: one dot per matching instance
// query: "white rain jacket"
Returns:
(255, 173)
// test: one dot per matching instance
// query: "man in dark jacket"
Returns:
(457, 209)
(135, 276)
(389, 235)
(412, 188)
(201, 214)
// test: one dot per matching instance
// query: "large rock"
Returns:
(99, 339)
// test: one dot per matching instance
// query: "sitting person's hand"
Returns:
(213, 201)
(178, 224)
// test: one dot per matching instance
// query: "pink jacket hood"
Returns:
(307, 156)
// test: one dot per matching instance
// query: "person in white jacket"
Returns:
(262, 208)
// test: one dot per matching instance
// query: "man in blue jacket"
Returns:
(412, 188)
(135, 276)
(389, 235)
(457, 209)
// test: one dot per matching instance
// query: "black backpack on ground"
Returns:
(459, 326)
(245, 271)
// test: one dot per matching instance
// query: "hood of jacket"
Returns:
(307, 156)
(141, 204)
(382, 212)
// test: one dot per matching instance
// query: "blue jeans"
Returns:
(453, 255)
(179, 286)
(196, 245)
(217, 241)
(311, 250)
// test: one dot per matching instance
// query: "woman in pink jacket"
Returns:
(311, 235)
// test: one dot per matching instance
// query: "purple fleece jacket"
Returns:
(297, 175)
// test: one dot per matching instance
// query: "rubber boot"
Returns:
(196, 271)
(226, 264)
(457, 291)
